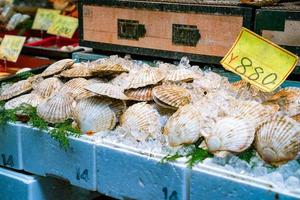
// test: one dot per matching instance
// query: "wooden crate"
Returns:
(280, 24)
(203, 32)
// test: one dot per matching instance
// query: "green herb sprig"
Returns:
(247, 154)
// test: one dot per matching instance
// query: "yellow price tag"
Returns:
(259, 61)
(44, 18)
(11, 47)
(63, 26)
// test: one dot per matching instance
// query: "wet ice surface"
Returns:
(286, 176)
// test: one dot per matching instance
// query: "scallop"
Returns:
(107, 89)
(277, 141)
(32, 99)
(80, 70)
(144, 77)
(57, 108)
(48, 86)
(171, 96)
(103, 69)
(180, 74)
(184, 126)
(93, 115)
(16, 89)
(118, 106)
(288, 100)
(251, 110)
(57, 67)
(230, 134)
(76, 88)
(140, 94)
(141, 120)
(120, 80)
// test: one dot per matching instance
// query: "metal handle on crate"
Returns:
(186, 35)
(130, 29)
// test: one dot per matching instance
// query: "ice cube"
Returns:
(229, 168)
(256, 161)
(292, 183)
(259, 171)
(289, 168)
(275, 178)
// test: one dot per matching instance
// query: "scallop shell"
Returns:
(230, 134)
(118, 106)
(57, 67)
(251, 110)
(141, 120)
(107, 68)
(57, 108)
(288, 99)
(80, 70)
(93, 115)
(16, 89)
(171, 96)
(140, 94)
(278, 140)
(120, 80)
(31, 99)
(107, 89)
(48, 86)
(144, 77)
(76, 88)
(184, 126)
(180, 74)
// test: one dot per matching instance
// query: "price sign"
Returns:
(259, 61)
(11, 47)
(44, 18)
(63, 26)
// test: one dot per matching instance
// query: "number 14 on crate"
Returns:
(259, 61)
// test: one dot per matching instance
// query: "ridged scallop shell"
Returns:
(48, 86)
(31, 99)
(76, 88)
(118, 106)
(141, 120)
(230, 134)
(80, 70)
(251, 110)
(278, 140)
(93, 115)
(107, 68)
(144, 77)
(140, 94)
(16, 89)
(57, 67)
(181, 74)
(107, 89)
(125, 63)
(288, 99)
(57, 108)
(120, 80)
(184, 126)
(171, 96)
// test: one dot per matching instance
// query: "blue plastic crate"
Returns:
(210, 184)
(124, 174)
(43, 156)
(10, 148)
(18, 186)
(84, 57)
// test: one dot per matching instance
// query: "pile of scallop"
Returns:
(173, 104)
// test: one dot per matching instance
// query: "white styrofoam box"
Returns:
(18, 186)
(43, 156)
(127, 174)
(10, 148)
(209, 183)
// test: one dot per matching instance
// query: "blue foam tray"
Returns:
(210, 185)
(10, 148)
(43, 156)
(124, 174)
(18, 186)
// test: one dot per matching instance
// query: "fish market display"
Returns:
(169, 106)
